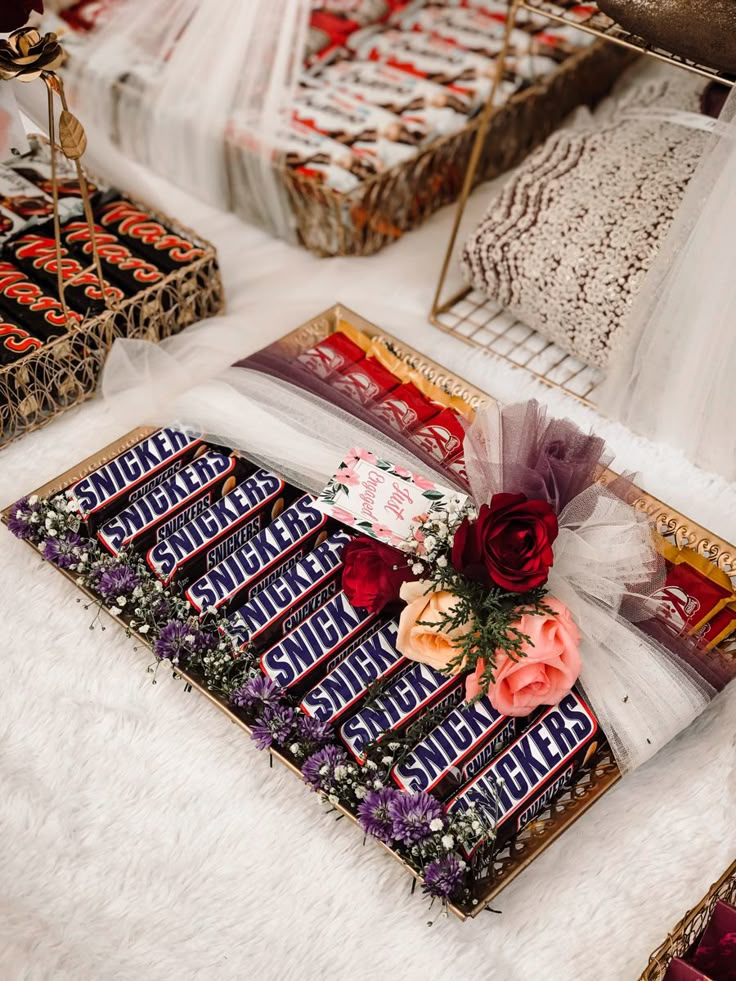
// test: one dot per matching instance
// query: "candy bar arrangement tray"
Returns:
(268, 501)
(159, 278)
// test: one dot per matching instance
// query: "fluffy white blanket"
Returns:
(142, 837)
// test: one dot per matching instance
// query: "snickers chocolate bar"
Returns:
(332, 355)
(270, 554)
(132, 474)
(364, 382)
(524, 779)
(375, 660)
(284, 603)
(159, 513)
(24, 300)
(417, 688)
(455, 750)
(123, 267)
(35, 254)
(222, 529)
(146, 235)
(404, 408)
(324, 639)
(442, 437)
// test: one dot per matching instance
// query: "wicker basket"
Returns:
(64, 372)
(690, 928)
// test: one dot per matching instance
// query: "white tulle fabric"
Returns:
(605, 568)
(278, 425)
(165, 79)
(673, 377)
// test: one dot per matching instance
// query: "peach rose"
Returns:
(547, 673)
(428, 645)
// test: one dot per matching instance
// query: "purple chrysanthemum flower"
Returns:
(313, 731)
(117, 581)
(274, 725)
(258, 691)
(19, 519)
(319, 769)
(373, 814)
(175, 642)
(412, 816)
(443, 876)
(63, 550)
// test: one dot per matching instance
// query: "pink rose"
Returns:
(435, 646)
(547, 673)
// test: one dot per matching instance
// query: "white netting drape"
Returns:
(165, 79)
(674, 377)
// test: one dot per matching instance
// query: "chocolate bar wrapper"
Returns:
(16, 342)
(381, 136)
(456, 466)
(160, 512)
(347, 684)
(21, 203)
(332, 355)
(205, 541)
(442, 437)
(145, 235)
(694, 592)
(524, 779)
(364, 382)
(469, 29)
(404, 408)
(719, 628)
(266, 557)
(324, 639)
(25, 302)
(418, 688)
(716, 953)
(35, 254)
(455, 750)
(284, 603)
(126, 269)
(36, 170)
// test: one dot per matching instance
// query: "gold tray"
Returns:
(588, 787)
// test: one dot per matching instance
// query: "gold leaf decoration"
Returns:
(72, 136)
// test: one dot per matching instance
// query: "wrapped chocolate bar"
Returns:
(284, 603)
(441, 437)
(376, 659)
(23, 301)
(270, 554)
(524, 779)
(146, 235)
(456, 749)
(133, 474)
(324, 639)
(417, 689)
(15, 342)
(719, 628)
(694, 592)
(36, 255)
(332, 355)
(21, 203)
(364, 382)
(471, 29)
(161, 511)
(405, 408)
(123, 267)
(222, 529)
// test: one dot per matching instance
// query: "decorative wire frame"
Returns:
(588, 785)
(476, 319)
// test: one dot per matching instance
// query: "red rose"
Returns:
(509, 544)
(373, 573)
(15, 13)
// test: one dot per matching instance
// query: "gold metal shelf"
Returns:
(586, 17)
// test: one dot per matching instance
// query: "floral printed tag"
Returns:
(382, 500)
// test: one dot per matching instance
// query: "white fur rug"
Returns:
(143, 839)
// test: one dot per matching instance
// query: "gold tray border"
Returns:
(586, 790)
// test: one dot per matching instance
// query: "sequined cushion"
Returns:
(702, 30)
(569, 240)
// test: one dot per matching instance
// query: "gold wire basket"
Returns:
(690, 928)
(587, 787)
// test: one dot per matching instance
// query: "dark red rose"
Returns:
(373, 573)
(15, 13)
(509, 544)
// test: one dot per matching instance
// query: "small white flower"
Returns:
(144, 629)
(417, 568)
(370, 765)
(35, 519)
(333, 798)
(394, 746)
(115, 611)
(360, 792)
(476, 826)
(137, 591)
(447, 842)
(158, 586)
(377, 785)
(189, 639)
(340, 772)
(33, 499)
(436, 824)
(294, 748)
(323, 770)
(388, 760)
(430, 543)
(441, 561)
(53, 533)
(212, 610)
(121, 601)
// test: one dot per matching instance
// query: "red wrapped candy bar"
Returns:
(332, 355)
(442, 437)
(365, 382)
(694, 592)
(404, 408)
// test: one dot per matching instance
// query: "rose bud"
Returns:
(508, 545)
(373, 573)
(424, 632)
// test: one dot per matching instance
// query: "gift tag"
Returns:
(384, 501)
(13, 140)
